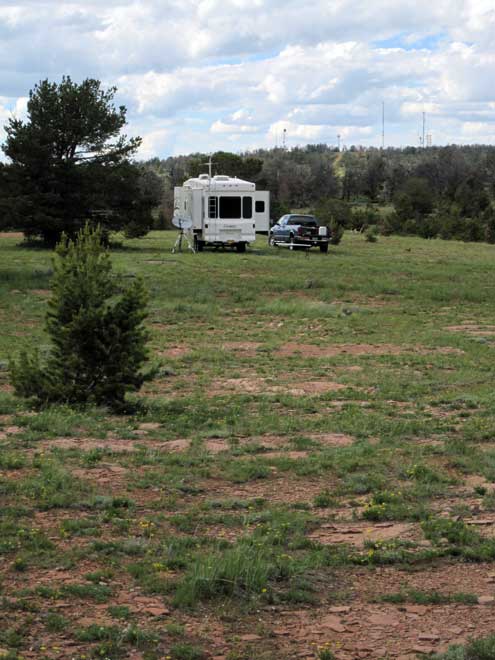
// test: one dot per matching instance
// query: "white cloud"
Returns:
(204, 74)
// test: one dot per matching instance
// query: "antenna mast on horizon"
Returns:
(383, 124)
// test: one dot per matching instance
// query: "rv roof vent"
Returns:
(221, 177)
(203, 176)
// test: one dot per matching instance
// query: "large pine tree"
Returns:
(69, 163)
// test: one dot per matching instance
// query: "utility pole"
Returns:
(383, 124)
(338, 142)
(284, 135)
(424, 130)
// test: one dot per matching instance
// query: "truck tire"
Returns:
(324, 247)
(240, 247)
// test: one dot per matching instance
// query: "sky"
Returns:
(208, 75)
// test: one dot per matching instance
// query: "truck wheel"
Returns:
(241, 247)
(198, 245)
(324, 247)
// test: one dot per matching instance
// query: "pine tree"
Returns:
(96, 329)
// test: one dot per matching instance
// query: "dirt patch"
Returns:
(261, 386)
(333, 439)
(10, 430)
(264, 442)
(104, 474)
(11, 234)
(215, 446)
(286, 454)
(313, 350)
(41, 292)
(175, 351)
(278, 489)
(88, 444)
(179, 445)
(360, 531)
(245, 348)
(473, 329)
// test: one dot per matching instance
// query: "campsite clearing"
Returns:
(314, 470)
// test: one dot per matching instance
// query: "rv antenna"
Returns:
(210, 163)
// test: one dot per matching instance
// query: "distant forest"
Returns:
(446, 192)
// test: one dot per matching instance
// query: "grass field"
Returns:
(313, 475)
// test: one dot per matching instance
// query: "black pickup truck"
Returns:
(295, 230)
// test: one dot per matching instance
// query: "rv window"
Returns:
(247, 207)
(230, 208)
(212, 207)
(260, 207)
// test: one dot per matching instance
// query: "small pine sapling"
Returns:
(95, 324)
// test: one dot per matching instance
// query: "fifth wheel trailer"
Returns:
(223, 211)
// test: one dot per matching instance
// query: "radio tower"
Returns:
(383, 124)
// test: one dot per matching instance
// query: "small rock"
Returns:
(416, 609)
(332, 622)
(249, 638)
(156, 610)
(339, 610)
(485, 600)
(428, 637)
(381, 619)
(426, 650)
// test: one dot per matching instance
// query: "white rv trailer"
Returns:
(223, 210)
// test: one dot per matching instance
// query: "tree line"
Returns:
(69, 163)
(445, 192)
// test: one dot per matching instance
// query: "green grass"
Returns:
(232, 522)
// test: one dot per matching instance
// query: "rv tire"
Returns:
(241, 247)
(324, 247)
(199, 245)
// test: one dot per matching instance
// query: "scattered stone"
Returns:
(428, 637)
(425, 650)
(382, 619)
(416, 609)
(339, 610)
(249, 638)
(332, 622)
(485, 600)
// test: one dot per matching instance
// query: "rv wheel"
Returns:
(198, 245)
(323, 247)
(241, 247)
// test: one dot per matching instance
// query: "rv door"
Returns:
(262, 211)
